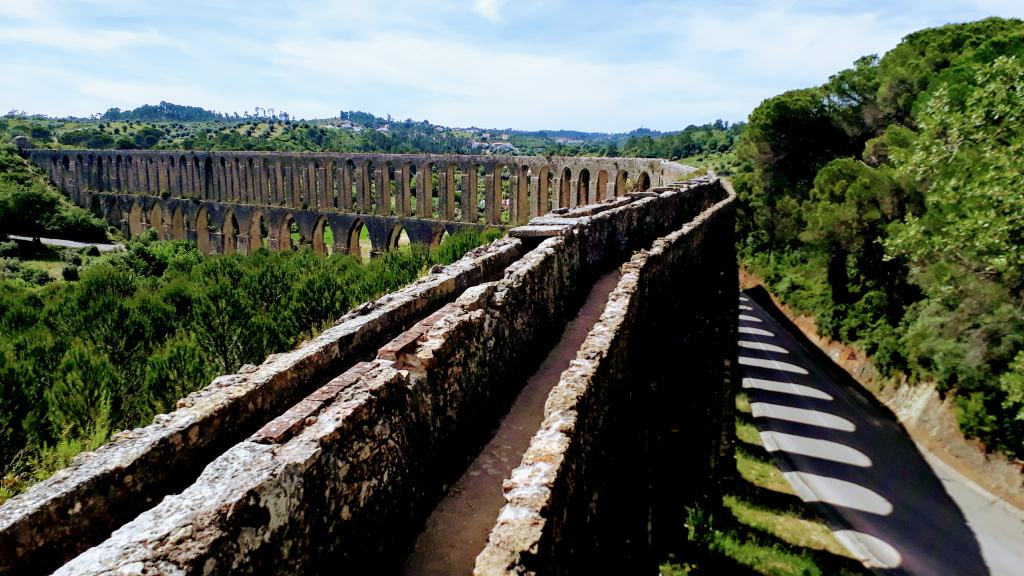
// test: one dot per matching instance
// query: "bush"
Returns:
(70, 273)
(71, 256)
(9, 249)
(36, 276)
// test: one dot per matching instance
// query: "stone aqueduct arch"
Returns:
(238, 201)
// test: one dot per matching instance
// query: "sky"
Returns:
(592, 65)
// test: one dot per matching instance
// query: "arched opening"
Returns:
(80, 173)
(620, 182)
(644, 183)
(99, 174)
(250, 191)
(323, 237)
(135, 220)
(504, 195)
(207, 179)
(257, 232)
(142, 166)
(398, 239)
(544, 181)
(359, 245)
(521, 197)
(453, 186)
(439, 237)
(264, 233)
(231, 231)
(315, 195)
(288, 237)
(565, 188)
(480, 173)
(602, 185)
(390, 189)
(178, 225)
(114, 216)
(203, 231)
(369, 188)
(350, 182)
(331, 183)
(409, 188)
(156, 221)
(429, 193)
(222, 181)
(583, 188)
(183, 176)
(194, 179)
(65, 173)
(95, 208)
(118, 174)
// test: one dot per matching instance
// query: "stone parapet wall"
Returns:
(81, 505)
(593, 492)
(344, 479)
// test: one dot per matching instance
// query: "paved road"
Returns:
(70, 243)
(847, 454)
(998, 526)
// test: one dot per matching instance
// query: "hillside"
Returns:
(175, 127)
(887, 203)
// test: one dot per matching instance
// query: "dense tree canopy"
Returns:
(889, 203)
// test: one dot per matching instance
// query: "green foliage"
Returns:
(694, 140)
(144, 327)
(31, 208)
(889, 203)
(163, 111)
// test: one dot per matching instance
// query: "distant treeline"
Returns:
(172, 126)
(889, 202)
(716, 137)
(163, 112)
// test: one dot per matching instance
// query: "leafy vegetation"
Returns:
(145, 326)
(692, 141)
(29, 207)
(888, 203)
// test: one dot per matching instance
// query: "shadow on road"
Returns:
(846, 453)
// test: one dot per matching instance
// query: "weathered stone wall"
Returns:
(80, 505)
(343, 480)
(634, 428)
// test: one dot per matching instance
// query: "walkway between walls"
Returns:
(457, 530)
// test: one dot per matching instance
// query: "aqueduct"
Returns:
(578, 374)
(236, 201)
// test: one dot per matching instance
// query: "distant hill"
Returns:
(170, 126)
(163, 112)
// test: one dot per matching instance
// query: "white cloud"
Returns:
(96, 41)
(788, 45)
(132, 93)
(584, 64)
(489, 9)
(458, 81)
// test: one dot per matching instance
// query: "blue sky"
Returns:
(587, 65)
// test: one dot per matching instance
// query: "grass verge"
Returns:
(761, 527)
